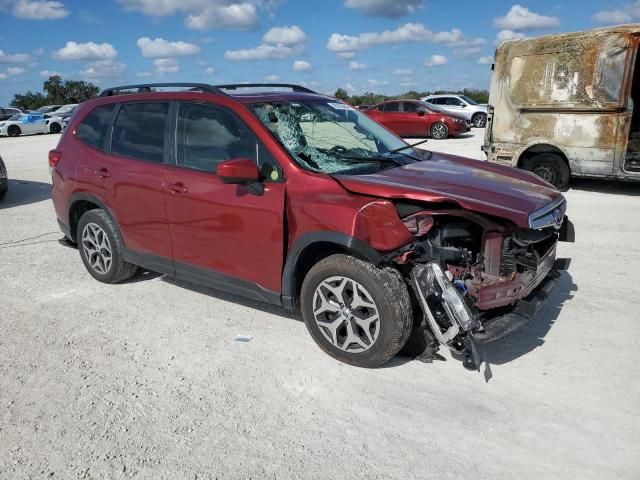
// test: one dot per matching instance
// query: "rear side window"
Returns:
(391, 107)
(138, 131)
(93, 129)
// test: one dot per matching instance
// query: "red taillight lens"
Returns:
(54, 157)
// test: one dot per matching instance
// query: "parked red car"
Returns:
(413, 118)
(300, 200)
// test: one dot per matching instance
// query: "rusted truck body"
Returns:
(568, 105)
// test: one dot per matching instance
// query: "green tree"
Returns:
(342, 94)
(56, 92)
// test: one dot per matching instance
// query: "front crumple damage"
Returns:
(474, 277)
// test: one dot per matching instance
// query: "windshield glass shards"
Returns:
(332, 137)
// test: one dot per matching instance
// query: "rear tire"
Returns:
(550, 167)
(101, 246)
(55, 128)
(14, 131)
(439, 131)
(479, 120)
(356, 312)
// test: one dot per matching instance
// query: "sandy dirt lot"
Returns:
(145, 380)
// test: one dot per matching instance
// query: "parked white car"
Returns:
(25, 124)
(462, 106)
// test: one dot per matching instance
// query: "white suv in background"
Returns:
(461, 106)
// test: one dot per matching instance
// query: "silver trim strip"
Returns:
(545, 216)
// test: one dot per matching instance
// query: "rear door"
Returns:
(126, 167)
(226, 236)
(392, 118)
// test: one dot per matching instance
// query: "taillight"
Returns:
(54, 158)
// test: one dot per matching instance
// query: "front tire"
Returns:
(550, 167)
(439, 131)
(14, 131)
(101, 246)
(356, 312)
(479, 120)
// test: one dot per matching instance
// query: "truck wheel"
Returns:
(101, 246)
(479, 120)
(550, 167)
(439, 131)
(356, 312)
(14, 131)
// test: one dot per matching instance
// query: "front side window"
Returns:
(332, 137)
(138, 131)
(208, 135)
(410, 107)
(93, 129)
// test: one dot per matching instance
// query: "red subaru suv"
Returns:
(297, 199)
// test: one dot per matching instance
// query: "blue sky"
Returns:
(387, 46)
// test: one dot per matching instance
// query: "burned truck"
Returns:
(567, 105)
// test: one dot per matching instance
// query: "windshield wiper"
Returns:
(398, 150)
(375, 159)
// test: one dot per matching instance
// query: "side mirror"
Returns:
(464, 105)
(238, 171)
(421, 112)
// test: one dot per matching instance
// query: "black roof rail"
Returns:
(147, 87)
(295, 88)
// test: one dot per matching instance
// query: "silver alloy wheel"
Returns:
(480, 120)
(439, 131)
(346, 314)
(97, 248)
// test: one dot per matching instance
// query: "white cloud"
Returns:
(206, 14)
(85, 51)
(14, 58)
(103, 68)
(279, 42)
(263, 52)
(353, 65)
(239, 16)
(408, 84)
(402, 72)
(3, 76)
(49, 73)
(436, 60)
(346, 55)
(272, 78)
(509, 35)
(612, 17)
(301, 66)
(345, 46)
(385, 8)
(521, 18)
(161, 48)
(488, 60)
(144, 74)
(39, 10)
(166, 65)
(285, 36)
(209, 70)
(15, 70)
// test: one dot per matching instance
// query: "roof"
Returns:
(627, 29)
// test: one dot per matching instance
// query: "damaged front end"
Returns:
(478, 279)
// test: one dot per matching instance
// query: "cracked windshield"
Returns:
(332, 137)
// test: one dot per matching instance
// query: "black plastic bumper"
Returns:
(523, 312)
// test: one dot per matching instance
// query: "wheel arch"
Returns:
(309, 250)
(542, 147)
(83, 202)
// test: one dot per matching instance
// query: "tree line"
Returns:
(56, 91)
(370, 98)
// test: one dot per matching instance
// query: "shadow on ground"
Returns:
(606, 186)
(24, 192)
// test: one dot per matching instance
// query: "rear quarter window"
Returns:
(93, 129)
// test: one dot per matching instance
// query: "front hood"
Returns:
(474, 185)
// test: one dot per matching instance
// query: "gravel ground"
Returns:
(145, 380)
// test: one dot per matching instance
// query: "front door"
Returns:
(226, 236)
